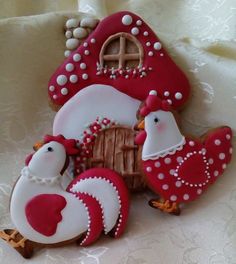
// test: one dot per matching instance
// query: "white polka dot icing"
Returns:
(93, 40)
(191, 143)
(69, 67)
(76, 57)
(173, 198)
(160, 176)
(222, 156)
(157, 45)
(150, 53)
(166, 93)
(85, 44)
(149, 169)
(86, 52)
(228, 136)
(83, 66)
(73, 78)
(139, 22)
(51, 88)
(157, 164)
(216, 173)
(148, 44)
(54, 96)
(64, 91)
(165, 187)
(127, 20)
(61, 80)
(145, 33)
(217, 142)
(167, 160)
(186, 197)
(178, 96)
(178, 184)
(85, 76)
(134, 31)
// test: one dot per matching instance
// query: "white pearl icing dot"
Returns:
(93, 40)
(145, 33)
(210, 161)
(127, 20)
(178, 96)
(172, 172)
(186, 197)
(224, 166)
(228, 136)
(149, 169)
(61, 80)
(216, 173)
(160, 176)
(167, 160)
(221, 156)
(64, 91)
(54, 97)
(150, 53)
(178, 184)
(76, 57)
(173, 198)
(139, 23)
(86, 52)
(85, 44)
(67, 53)
(166, 93)
(157, 164)
(85, 76)
(231, 150)
(83, 66)
(165, 186)
(199, 191)
(153, 92)
(191, 143)
(148, 44)
(73, 78)
(217, 142)
(157, 45)
(69, 67)
(51, 88)
(134, 31)
(179, 159)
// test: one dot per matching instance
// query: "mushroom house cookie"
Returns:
(44, 214)
(108, 76)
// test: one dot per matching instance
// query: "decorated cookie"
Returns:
(45, 214)
(177, 167)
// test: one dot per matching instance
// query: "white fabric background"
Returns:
(201, 37)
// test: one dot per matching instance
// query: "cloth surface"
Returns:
(201, 37)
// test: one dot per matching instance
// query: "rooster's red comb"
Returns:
(154, 103)
(69, 144)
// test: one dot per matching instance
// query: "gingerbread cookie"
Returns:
(177, 167)
(46, 214)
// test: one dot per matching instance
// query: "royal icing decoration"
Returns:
(129, 68)
(178, 168)
(43, 212)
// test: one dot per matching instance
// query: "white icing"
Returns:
(89, 22)
(86, 52)
(69, 67)
(85, 44)
(93, 40)
(83, 66)
(145, 33)
(163, 137)
(64, 91)
(150, 53)
(153, 92)
(80, 33)
(72, 43)
(51, 88)
(157, 45)
(148, 44)
(107, 196)
(54, 97)
(85, 76)
(67, 53)
(73, 78)
(127, 20)
(61, 80)
(91, 102)
(76, 57)
(134, 31)
(138, 22)
(72, 22)
(178, 96)
(68, 34)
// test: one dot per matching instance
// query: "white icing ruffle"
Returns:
(170, 151)
(25, 172)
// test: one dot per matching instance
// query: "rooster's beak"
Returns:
(141, 125)
(38, 145)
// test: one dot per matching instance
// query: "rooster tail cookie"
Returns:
(177, 167)
(46, 214)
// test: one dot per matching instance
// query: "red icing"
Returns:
(120, 186)
(96, 222)
(43, 212)
(162, 74)
(193, 169)
(140, 138)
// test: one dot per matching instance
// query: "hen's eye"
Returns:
(50, 149)
(156, 120)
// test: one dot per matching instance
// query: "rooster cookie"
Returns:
(45, 214)
(177, 167)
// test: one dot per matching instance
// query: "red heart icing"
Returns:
(43, 212)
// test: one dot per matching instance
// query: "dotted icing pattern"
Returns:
(83, 68)
(173, 176)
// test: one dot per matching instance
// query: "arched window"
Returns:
(120, 51)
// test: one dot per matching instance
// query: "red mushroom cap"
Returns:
(156, 70)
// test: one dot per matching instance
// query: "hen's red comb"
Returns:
(69, 144)
(154, 103)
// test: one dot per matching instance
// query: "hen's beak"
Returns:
(38, 145)
(141, 125)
